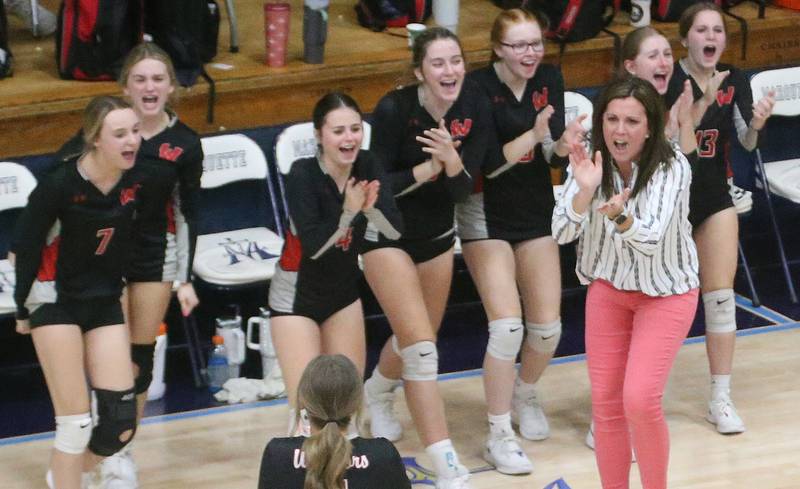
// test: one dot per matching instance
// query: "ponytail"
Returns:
(328, 455)
(331, 392)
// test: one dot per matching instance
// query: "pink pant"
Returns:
(631, 343)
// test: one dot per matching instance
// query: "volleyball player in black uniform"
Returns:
(727, 107)
(72, 243)
(414, 131)
(331, 391)
(505, 230)
(336, 200)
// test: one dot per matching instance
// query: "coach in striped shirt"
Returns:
(628, 207)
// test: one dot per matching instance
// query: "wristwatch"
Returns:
(620, 219)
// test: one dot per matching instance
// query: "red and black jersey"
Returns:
(172, 162)
(375, 463)
(730, 114)
(518, 198)
(428, 208)
(324, 239)
(72, 234)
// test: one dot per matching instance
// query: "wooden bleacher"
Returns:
(39, 111)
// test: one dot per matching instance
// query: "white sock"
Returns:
(524, 389)
(378, 384)
(720, 386)
(500, 425)
(444, 458)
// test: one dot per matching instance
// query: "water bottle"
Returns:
(218, 372)
(157, 385)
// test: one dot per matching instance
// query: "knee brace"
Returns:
(720, 309)
(420, 361)
(505, 338)
(142, 356)
(116, 414)
(544, 337)
(73, 433)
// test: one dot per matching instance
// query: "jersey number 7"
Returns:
(105, 235)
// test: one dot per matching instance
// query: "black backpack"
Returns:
(187, 30)
(671, 10)
(575, 20)
(94, 36)
(5, 52)
(377, 15)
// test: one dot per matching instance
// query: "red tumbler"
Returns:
(276, 33)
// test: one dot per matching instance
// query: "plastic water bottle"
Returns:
(218, 371)
(157, 385)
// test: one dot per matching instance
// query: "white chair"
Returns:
(237, 256)
(16, 183)
(575, 104)
(781, 178)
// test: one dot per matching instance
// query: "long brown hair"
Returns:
(331, 392)
(420, 49)
(657, 150)
(687, 17)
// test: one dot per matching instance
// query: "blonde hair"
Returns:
(149, 50)
(95, 115)
(331, 392)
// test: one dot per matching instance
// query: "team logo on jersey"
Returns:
(128, 195)
(527, 157)
(460, 129)
(539, 99)
(345, 241)
(167, 152)
(79, 198)
(498, 99)
(725, 98)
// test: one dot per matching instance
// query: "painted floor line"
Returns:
(443, 377)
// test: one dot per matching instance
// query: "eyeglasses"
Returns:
(522, 46)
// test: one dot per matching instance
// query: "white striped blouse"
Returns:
(656, 255)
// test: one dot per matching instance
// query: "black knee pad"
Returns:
(142, 356)
(116, 414)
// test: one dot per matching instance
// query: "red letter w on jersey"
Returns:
(539, 99)
(344, 241)
(459, 130)
(725, 98)
(167, 152)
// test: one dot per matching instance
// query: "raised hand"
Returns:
(439, 144)
(762, 110)
(683, 106)
(355, 194)
(710, 93)
(541, 127)
(587, 173)
(372, 189)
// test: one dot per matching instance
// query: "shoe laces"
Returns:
(508, 444)
(725, 407)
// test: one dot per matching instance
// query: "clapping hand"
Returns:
(614, 206)
(439, 144)
(762, 110)
(587, 173)
(355, 195)
(372, 188)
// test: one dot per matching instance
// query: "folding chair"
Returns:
(230, 257)
(16, 183)
(575, 104)
(781, 178)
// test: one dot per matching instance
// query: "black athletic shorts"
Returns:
(706, 198)
(88, 314)
(314, 301)
(420, 250)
